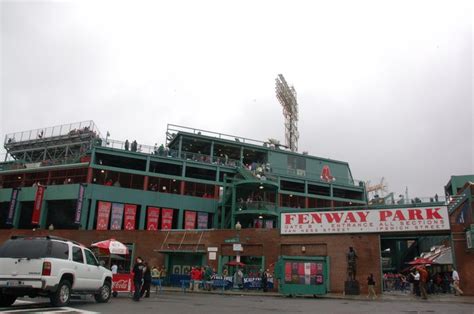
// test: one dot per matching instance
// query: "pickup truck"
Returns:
(50, 267)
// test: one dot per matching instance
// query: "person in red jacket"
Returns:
(424, 277)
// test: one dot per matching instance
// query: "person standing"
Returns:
(265, 280)
(416, 283)
(371, 286)
(127, 144)
(239, 278)
(114, 269)
(137, 278)
(146, 281)
(455, 276)
(423, 281)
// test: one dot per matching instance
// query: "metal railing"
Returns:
(173, 128)
(256, 205)
(410, 201)
(141, 148)
(164, 152)
(21, 164)
(314, 176)
(50, 132)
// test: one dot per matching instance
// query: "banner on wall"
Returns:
(35, 217)
(166, 219)
(268, 223)
(153, 213)
(189, 220)
(130, 216)
(203, 220)
(258, 223)
(117, 216)
(80, 198)
(12, 206)
(103, 215)
(365, 221)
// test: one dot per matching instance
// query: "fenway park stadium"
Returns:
(206, 198)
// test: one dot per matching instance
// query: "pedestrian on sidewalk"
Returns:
(423, 281)
(416, 283)
(457, 290)
(146, 281)
(371, 286)
(137, 277)
(265, 280)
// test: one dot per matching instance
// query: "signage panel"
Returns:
(366, 221)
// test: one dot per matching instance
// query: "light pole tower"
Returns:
(287, 97)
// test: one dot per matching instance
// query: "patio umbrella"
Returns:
(112, 246)
(235, 263)
(421, 261)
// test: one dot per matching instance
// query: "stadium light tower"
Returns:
(287, 97)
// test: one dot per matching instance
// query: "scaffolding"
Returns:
(52, 144)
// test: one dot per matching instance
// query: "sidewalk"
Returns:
(385, 297)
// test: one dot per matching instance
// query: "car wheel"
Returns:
(115, 294)
(62, 296)
(7, 300)
(104, 293)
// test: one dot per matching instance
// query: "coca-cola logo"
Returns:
(120, 284)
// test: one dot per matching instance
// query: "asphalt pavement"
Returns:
(175, 301)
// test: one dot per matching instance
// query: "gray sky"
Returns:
(384, 85)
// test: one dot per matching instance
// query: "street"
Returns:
(175, 302)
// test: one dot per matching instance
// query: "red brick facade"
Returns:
(255, 242)
(464, 257)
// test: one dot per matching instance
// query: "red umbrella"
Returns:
(112, 246)
(421, 261)
(235, 263)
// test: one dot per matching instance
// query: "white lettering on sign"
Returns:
(364, 221)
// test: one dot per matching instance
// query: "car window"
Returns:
(59, 250)
(77, 255)
(90, 258)
(25, 247)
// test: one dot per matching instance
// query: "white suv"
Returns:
(52, 267)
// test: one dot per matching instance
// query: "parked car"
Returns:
(50, 267)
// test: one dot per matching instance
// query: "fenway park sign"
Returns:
(364, 221)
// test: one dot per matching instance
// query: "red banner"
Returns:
(152, 218)
(130, 214)
(103, 215)
(166, 219)
(189, 220)
(35, 217)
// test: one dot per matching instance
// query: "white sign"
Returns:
(238, 247)
(212, 249)
(212, 256)
(366, 221)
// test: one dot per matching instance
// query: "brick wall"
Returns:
(255, 242)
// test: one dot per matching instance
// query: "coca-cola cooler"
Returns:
(122, 283)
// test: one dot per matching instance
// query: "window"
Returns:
(90, 258)
(297, 165)
(60, 250)
(77, 255)
(27, 247)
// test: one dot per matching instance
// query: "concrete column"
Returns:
(145, 184)
(89, 175)
(212, 152)
(44, 214)
(141, 223)
(16, 216)
(84, 213)
(90, 225)
(180, 218)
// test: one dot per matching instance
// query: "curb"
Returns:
(465, 300)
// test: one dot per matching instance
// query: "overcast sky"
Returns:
(384, 85)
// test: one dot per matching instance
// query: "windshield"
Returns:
(34, 248)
